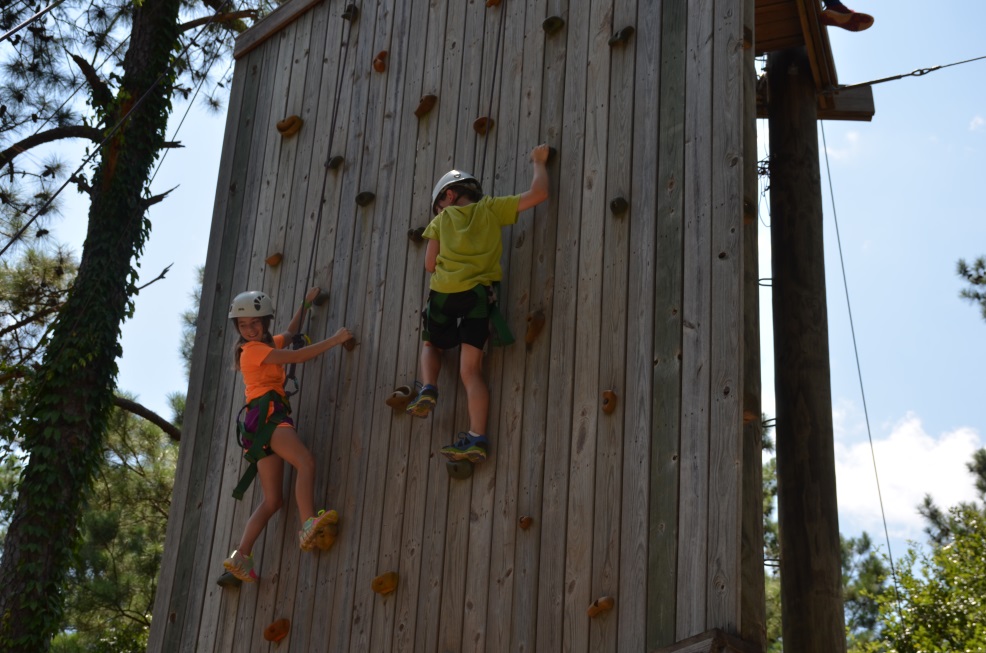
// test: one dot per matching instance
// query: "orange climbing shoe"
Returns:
(240, 566)
(837, 14)
(317, 530)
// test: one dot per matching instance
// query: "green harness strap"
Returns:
(260, 439)
(487, 306)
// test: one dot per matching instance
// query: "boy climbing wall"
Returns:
(463, 257)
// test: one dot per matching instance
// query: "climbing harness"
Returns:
(487, 307)
(255, 426)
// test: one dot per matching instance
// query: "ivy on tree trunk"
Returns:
(64, 421)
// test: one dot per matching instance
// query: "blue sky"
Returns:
(910, 192)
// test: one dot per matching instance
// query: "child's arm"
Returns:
(285, 356)
(431, 255)
(538, 191)
(295, 325)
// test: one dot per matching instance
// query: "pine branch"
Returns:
(231, 20)
(142, 411)
(102, 97)
(49, 136)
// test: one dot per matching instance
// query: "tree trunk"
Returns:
(70, 399)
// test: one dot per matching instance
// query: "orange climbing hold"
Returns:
(525, 522)
(426, 104)
(400, 398)
(384, 583)
(289, 126)
(483, 125)
(380, 61)
(601, 605)
(535, 322)
(277, 630)
(274, 259)
(609, 401)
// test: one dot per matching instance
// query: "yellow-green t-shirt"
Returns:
(470, 243)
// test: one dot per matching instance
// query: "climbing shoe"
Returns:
(424, 402)
(473, 448)
(317, 530)
(837, 14)
(240, 566)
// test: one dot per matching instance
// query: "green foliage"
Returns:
(975, 275)
(111, 582)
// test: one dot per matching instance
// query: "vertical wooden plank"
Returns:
(423, 525)
(588, 330)
(753, 620)
(552, 595)
(616, 302)
(726, 420)
(694, 479)
(207, 351)
(544, 97)
(665, 465)
(498, 95)
(639, 369)
(463, 77)
(517, 133)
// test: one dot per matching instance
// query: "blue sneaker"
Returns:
(424, 402)
(474, 448)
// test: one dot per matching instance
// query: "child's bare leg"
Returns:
(270, 471)
(286, 444)
(431, 363)
(477, 394)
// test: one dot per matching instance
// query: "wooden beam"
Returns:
(853, 103)
(271, 25)
(808, 517)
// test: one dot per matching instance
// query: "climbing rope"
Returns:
(498, 55)
(859, 373)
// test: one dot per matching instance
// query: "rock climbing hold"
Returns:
(552, 24)
(609, 401)
(380, 61)
(483, 125)
(619, 205)
(321, 298)
(492, 3)
(535, 322)
(365, 198)
(622, 36)
(289, 126)
(350, 344)
(399, 399)
(274, 259)
(552, 153)
(228, 580)
(327, 533)
(525, 522)
(417, 234)
(384, 583)
(351, 12)
(426, 104)
(601, 605)
(277, 630)
(334, 162)
(458, 469)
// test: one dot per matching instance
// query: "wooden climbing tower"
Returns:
(628, 527)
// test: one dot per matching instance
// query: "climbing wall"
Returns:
(635, 264)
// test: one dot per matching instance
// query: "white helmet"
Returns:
(454, 178)
(251, 304)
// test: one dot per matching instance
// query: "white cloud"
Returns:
(977, 124)
(849, 149)
(911, 464)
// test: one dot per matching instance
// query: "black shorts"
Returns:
(451, 319)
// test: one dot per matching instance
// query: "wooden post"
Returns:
(811, 574)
